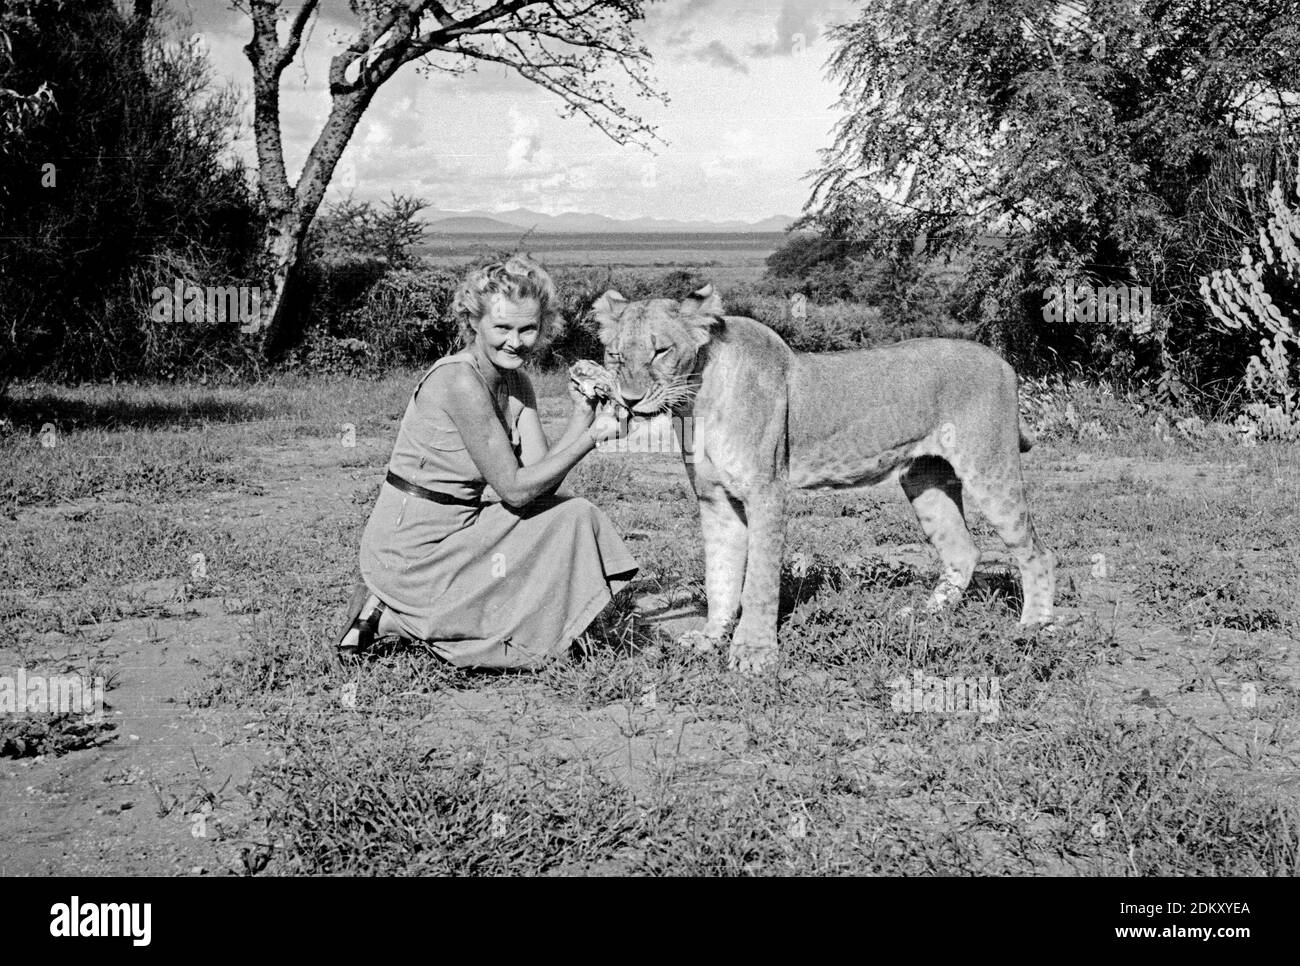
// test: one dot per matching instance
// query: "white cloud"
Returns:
(719, 54)
(525, 152)
(738, 145)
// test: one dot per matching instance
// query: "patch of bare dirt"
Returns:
(160, 794)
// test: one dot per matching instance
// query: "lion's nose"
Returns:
(630, 396)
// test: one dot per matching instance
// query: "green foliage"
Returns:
(831, 327)
(805, 252)
(1082, 140)
(18, 110)
(367, 318)
(1240, 299)
(137, 197)
(906, 296)
(360, 228)
(385, 806)
(371, 319)
(1213, 590)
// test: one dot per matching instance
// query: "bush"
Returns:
(1080, 145)
(805, 252)
(366, 318)
(829, 269)
(826, 328)
(404, 317)
(1260, 300)
(910, 295)
(139, 192)
(360, 228)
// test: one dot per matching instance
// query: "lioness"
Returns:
(935, 413)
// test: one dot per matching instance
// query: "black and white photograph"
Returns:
(651, 438)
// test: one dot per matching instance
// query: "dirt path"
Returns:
(160, 794)
(163, 793)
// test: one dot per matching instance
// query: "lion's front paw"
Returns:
(751, 653)
(700, 642)
(751, 658)
(1050, 624)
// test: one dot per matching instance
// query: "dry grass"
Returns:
(1123, 743)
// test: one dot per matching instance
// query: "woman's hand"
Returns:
(583, 407)
(604, 427)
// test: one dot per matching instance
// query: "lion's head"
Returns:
(651, 347)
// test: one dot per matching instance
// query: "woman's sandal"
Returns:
(367, 628)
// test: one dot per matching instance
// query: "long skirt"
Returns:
(493, 587)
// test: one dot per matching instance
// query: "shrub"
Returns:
(360, 228)
(367, 318)
(1240, 300)
(137, 139)
(804, 252)
(910, 295)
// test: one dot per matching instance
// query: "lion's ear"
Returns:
(703, 301)
(606, 311)
(703, 311)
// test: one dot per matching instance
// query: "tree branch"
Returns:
(579, 101)
(290, 49)
(264, 53)
(425, 44)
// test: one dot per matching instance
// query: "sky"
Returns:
(749, 108)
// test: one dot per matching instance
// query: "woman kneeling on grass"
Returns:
(504, 584)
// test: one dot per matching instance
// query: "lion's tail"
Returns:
(1026, 438)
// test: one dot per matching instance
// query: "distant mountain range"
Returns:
(520, 220)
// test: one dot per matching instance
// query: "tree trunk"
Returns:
(287, 224)
(281, 248)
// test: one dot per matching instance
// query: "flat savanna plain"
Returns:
(724, 258)
(1153, 732)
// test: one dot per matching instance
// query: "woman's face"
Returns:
(508, 330)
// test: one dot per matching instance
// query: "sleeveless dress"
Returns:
(487, 585)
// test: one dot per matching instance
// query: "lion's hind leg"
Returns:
(1000, 496)
(935, 494)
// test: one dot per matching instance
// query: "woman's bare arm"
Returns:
(534, 444)
(470, 407)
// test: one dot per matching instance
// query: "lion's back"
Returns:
(897, 392)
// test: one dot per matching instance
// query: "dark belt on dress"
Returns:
(406, 486)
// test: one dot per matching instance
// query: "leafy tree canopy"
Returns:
(1085, 132)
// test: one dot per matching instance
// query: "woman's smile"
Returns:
(508, 330)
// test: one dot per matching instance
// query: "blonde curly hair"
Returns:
(518, 277)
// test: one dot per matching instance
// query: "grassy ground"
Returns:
(1153, 733)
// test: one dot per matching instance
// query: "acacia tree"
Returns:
(567, 47)
(1081, 133)
(360, 227)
